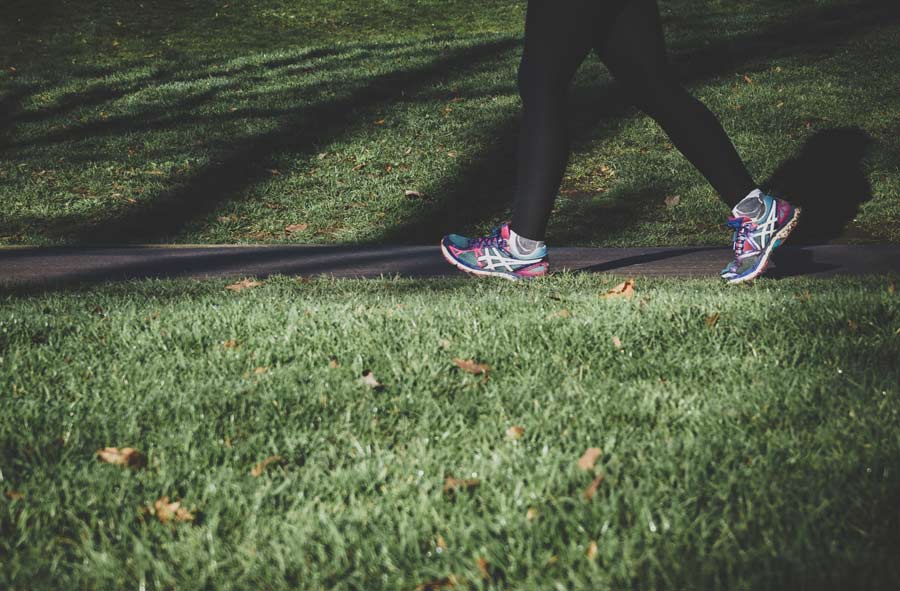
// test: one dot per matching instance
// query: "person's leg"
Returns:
(634, 51)
(558, 36)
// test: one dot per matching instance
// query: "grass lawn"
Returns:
(213, 122)
(750, 437)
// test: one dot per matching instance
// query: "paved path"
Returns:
(33, 267)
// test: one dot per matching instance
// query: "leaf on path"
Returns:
(127, 456)
(712, 319)
(471, 366)
(617, 342)
(174, 511)
(230, 344)
(259, 468)
(672, 200)
(591, 490)
(591, 552)
(532, 514)
(14, 495)
(589, 458)
(368, 379)
(622, 290)
(444, 583)
(414, 194)
(515, 432)
(292, 228)
(453, 485)
(243, 284)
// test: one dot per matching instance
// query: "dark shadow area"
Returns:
(827, 180)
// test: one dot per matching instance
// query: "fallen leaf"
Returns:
(414, 194)
(368, 379)
(322, 155)
(166, 511)
(672, 200)
(748, 79)
(440, 543)
(379, 122)
(852, 326)
(290, 229)
(560, 314)
(552, 560)
(617, 342)
(243, 284)
(127, 456)
(259, 468)
(591, 550)
(445, 583)
(515, 432)
(470, 366)
(891, 288)
(531, 514)
(407, 152)
(225, 219)
(273, 171)
(589, 458)
(451, 154)
(622, 290)
(483, 566)
(591, 490)
(444, 344)
(452, 485)
(333, 363)
(712, 319)
(230, 344)
(260, 370)
(14, 495)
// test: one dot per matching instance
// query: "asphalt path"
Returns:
(30, 267)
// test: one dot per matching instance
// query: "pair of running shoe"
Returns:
(753, 241)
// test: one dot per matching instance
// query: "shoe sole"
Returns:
(477, 272)
(779, 239)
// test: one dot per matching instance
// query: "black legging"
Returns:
(628, 38)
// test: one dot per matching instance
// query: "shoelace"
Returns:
(742, 227)
(493, 239)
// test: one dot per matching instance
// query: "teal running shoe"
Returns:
(490, 256)
(755, 238)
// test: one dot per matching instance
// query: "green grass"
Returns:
(756, 452)
(218, 122)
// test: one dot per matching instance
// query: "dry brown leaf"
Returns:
(407, 152)
(589, 458)
(440, 543)
(483, 567)
(368, 378)
(227, 218)
(591, 490)
(591, 552)
(14, 495)
(452, 485)
(292, 228)
(445, 583)
(470, 366)
(622, 290)
(259, 468)
(127, 456)
(531, 514)
(617, 342)
(379, 122)
(333, 363)
(748, 79)
(515, 432)
(260, 370)
(166, 511)
(852, 326)
(230, 344)
(672, 200)
(560, 314)
(892, 288)
(243, 284)
(414, 194)
(712, 319)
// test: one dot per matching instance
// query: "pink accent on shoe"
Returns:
(783, 211)
(504, 231)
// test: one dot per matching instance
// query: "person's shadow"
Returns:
(827, 180)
